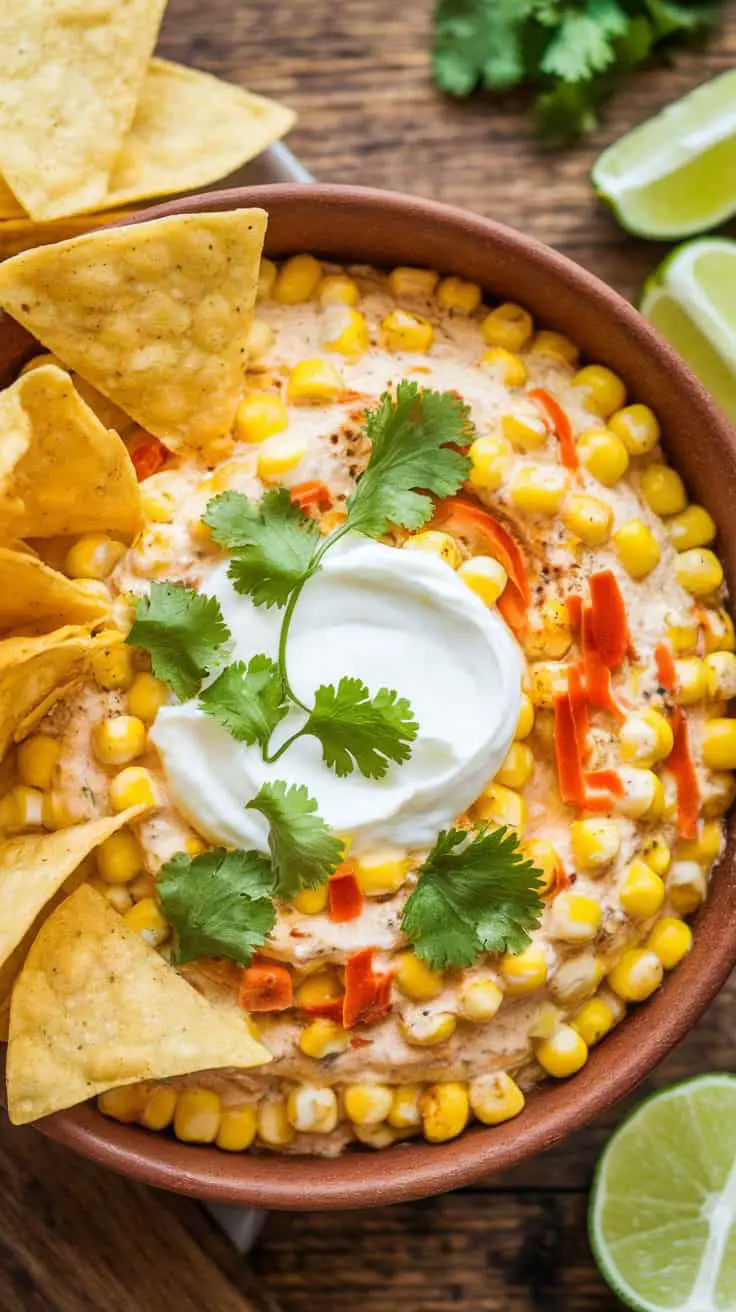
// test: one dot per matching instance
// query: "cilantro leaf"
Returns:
(582, 44)
(273, 543)
(247, 700)
(411, 441)
(303, 850)
(183, 632)
(219, 903)
(356, 729)
(478, 40)
(474, 895)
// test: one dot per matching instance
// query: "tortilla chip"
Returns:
(155, 315)
(71, 72)
(34, 672)
(61, 472)
(23, 234)
(10, 206)
(34, 596)
(95, 1007)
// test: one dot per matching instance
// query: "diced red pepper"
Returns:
(597, 674)
(314, 496)
(666, 668)
(367, 994)
(609, 624)
(567, 754)
(266, 986)
(680, 763)
(560, 425)
(579, 707)
(345, 897)
(574, 607)
(148, 455)
(358, 1042)
(484, 536)
(331, 1010)
(608, 780)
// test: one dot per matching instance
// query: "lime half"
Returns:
(663, 1206)
(691, 300)
(675, 175)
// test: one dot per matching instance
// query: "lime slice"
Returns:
(691, 300)
(663, 1206)
(675, 175)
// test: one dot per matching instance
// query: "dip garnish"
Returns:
(219, 903)
(183, 632)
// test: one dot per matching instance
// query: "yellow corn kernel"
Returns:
(145, 919)
(575, 918)
(23, 808)
(379, 1136)
(699, 571)
(604, 455)
(279, 455)
(158, 502)
(490, 459)
(548, 678)
(517, 768)
(589, 518)
(546, 859)
(37, 758)
(415, 979)
(311, 901)
(525, 972)
(457, 294)
(312, 1109)
(266, 279)
(297, 280)
(499, 805)
(133, 786)
(509, 326)
(112, 666)
(576, 979)
(555, 347)
(563, 1054)
(642, 892)
(682, 636)
(686, 886)
(237, 1128)
(538, 489)
(425, 1029)
(119, 858)
(57, 813)
(323, 1038)
(403, 331)
(495, 1098)
(691, 527)
(479, 1000)
(93, 556)
(670, 940)
(368, 1104)
(260, 415)
(526, 433)
(338, 289)
(485, 576)
(272, 1120)
(691, 681)
(645, 737)
(345, 330)
(546, 1022)
(593, 1021)
(404, 1113)
(405, 281)
(718, 793)
(509, 368)
(382, 871)
(146, 696)
(663, 490)
(637, 548)
(551, 636)
(720, 669)
(444, 1109)
(437, 544)
(704, 849)
(595, 844)
(260, 339)
(638, 428)
(718, 744)
(657, 855)
(320, 987)
(313, 382)
(160, 1106)
(636, 975)
(718, 631)
(125, 1104)
(603, 390)
(197, 1115)
(525, 722)
(119, 739)
(643, 793)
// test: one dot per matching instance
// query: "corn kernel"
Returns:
(525, 972)
(548, 679)
(424, 1030)
(546, 1021)
(312, 1109)
(382, 871)
(490, 459)
(260, 339)
(485, 576)
(415, 979)
(546, 859)
(682, 635)
(457, 294)
(699, 571)
(146, 696)
(93, 556)
(718, 793)
(589, 518)
(525, 722)
(576, 979)
(479, 1000)
(279, 455)
(670, 940)
(378, 1136)
(313, 382)
(706, 847)
(595, 844)
(718, 630)
(636, 975)
(551, 635)
(297, 280)
(160, 1106)
(37, 758)
(125, 1104)
(444, 1109)
(517, 768)
(495, 1098)
(663, 490)
(237, 1128)
(508, 368)
(538, 489)
(345, 330)
(197, 1115)
(119, 739)
(368, 1104)
(603, 390)
(112, 666)
(274, 1127)
(338, 289)
(643, 794)
(574, 918)
(57, 813)
(638, 428)
(133, 786)
(563, 1054)
(404, 1113)
(499, 805)
(657, 855)
(509, 326)
(691, 681)
(604, 455)
(405, 281)
(691, 527)
(438, 544)
(637, 548)
(720, 669)
(266, 279)
(260, 415)
(145, 919)
(23, 808)
(645, 737)
(311, 901)
(403, 331)
(323, 1038)
(555, 347)
(119, 858)
(527, 433)
(320, 987)
(642, 892)
(718, 744)
(593, 1021)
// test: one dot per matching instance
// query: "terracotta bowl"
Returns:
(349, 223)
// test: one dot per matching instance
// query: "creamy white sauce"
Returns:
(395, 619)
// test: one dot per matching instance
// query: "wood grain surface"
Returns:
(74, 1239)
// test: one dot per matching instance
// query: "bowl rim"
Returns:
(554, 1110)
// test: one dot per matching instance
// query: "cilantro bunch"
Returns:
(573, 52)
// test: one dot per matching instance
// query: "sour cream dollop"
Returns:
(396, 619)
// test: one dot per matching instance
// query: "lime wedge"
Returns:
(675, 175)
(663, 1206)
(691, 300)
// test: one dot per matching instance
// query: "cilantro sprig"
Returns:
(247, 700)
(303, 851)
(219, 903)
(183, 632)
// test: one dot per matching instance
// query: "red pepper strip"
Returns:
(666, 669)
(579, 707)
(569, 770)
(345, 897)
(560, 425)
(311, 496)
(574, 607)
(609, 780)
(609, 624)
(597, 674)
(148, 455)
(358, 1042)
(484, 536)
(680, 763)
(331, 1010)
(265, 986)
(367, 995)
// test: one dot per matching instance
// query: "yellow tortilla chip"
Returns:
(32, 595)
(10, 206)
(71, 72)
(61, 471)
(34, 672)
(23, 234)
(95, 1007)
(155, 315)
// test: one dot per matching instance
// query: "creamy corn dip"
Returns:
(572, 471)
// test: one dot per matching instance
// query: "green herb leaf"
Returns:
(356, 729)
(411, 449)
(183, 632)
(247, 700)
(273, 543)
(303, 851)
(475, 894)
(219, 903)
(582, 45)
(478, 40)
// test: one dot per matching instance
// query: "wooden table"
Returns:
(73, 1239)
